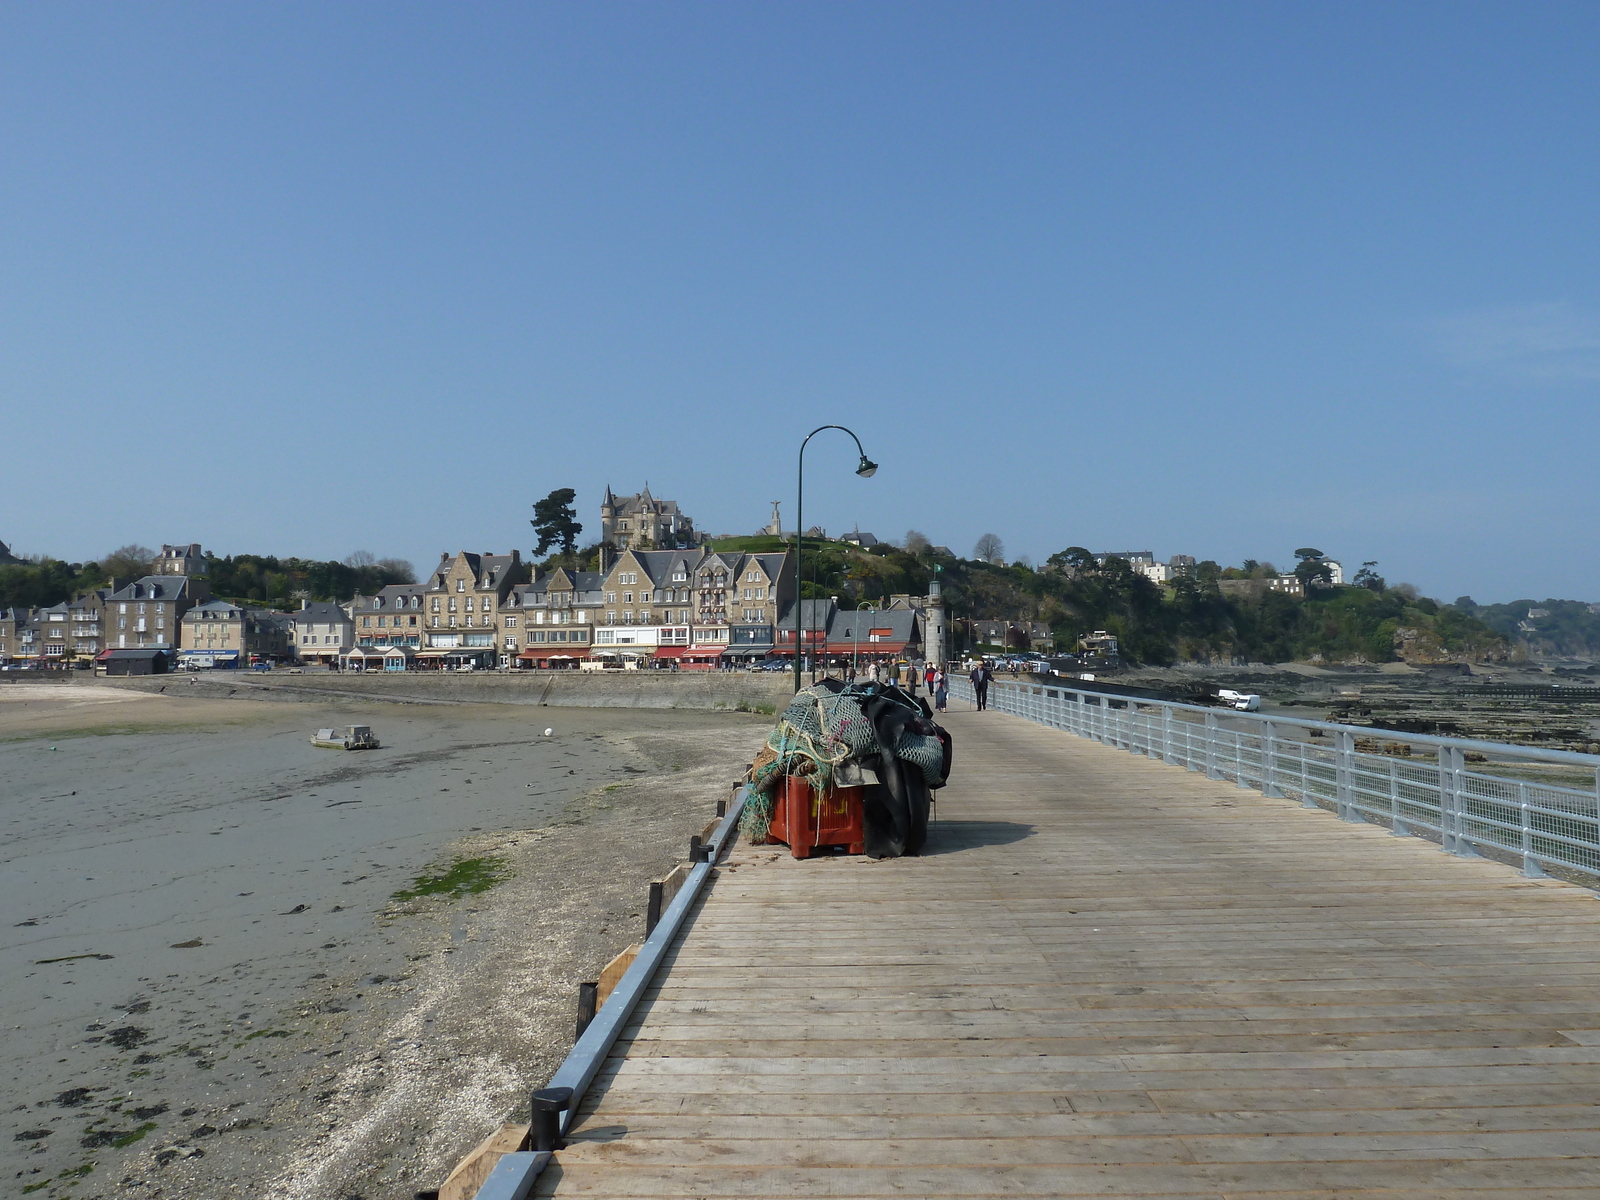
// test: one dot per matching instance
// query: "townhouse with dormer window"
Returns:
(465, 598)
(145, 614)
(549, 622)
(391, 617)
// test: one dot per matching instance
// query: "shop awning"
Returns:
(866, 648)
(533, 655)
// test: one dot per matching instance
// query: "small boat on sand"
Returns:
(351, 737)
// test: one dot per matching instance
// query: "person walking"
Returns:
(981, 675)
(939, 684)
(894, 672)
(927, 676)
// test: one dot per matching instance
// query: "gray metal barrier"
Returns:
(513, 1176)
(1540, 805)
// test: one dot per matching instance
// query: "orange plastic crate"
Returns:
(806, 821)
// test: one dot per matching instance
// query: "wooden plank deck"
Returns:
(1110, 977)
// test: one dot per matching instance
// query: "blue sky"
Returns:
(1220, 279)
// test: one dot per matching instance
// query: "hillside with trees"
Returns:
(1548, 628)
(1189, 619)
(262, 580)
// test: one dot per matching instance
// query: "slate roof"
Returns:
(167, 587)
(322, 612)
(389, 594)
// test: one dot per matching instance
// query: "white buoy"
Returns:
(547, 733)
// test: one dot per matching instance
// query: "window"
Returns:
(627, 617)
(452, 606)
(627, 597)
(436, 604)
(452, 622)
(122, 608)
(366, 622)
(469, 603)
(511, 622)
(377, 602)
(679, 576)
(461, 585)
(413, 622)
(611, 618)
(488, 603)
(611, 597)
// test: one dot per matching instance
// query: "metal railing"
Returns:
(513, 1176)
(1542, 806)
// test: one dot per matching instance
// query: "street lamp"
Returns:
(866, 468)
(855, 629)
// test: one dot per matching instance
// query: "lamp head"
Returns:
(867, 469)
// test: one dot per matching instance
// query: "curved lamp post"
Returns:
(855, 628)
(866, 468)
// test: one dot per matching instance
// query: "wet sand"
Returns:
(209, 987)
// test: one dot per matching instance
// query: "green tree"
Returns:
(1367, 578)
(555, 521)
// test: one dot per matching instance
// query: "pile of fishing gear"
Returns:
(841, 735)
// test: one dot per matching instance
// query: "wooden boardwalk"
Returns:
(1110, 977)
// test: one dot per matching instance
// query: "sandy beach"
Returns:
(209, 984)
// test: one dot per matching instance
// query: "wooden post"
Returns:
(652, 911)
(588, 994)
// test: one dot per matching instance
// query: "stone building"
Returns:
(642, 522)
(321, 631)
(394, 616)
(145, 614)
(550, 621)
(180, 560)
(219, 633)
(10, 619)
(465, 595)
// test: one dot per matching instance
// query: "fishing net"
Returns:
(820, 731)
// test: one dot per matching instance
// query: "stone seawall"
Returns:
(710, 690)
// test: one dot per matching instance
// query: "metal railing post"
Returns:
(1397, 823)
(1454, 838)
(1211, 747)
(1344, 770)
(1531, 867)
(1269, 761)
(1166, 734)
